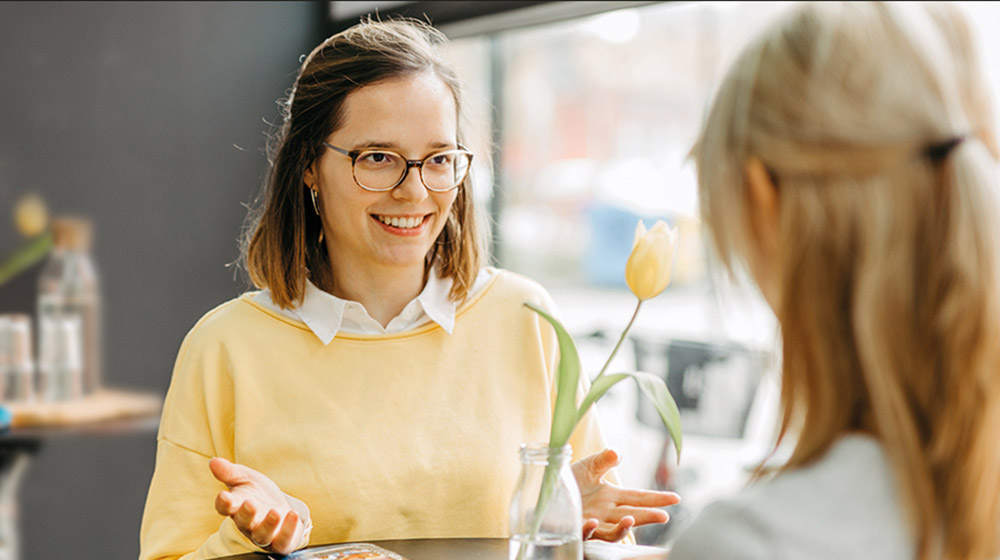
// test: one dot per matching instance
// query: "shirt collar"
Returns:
(437, 303)
(324, 313)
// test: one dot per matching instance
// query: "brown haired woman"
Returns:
(849, 160)
(379, 383)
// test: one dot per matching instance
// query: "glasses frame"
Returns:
(418, 163)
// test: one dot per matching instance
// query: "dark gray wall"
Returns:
(129, 113)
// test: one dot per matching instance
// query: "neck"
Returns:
(384, 292)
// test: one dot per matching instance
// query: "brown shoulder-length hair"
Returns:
(874, 122)
(281, 247)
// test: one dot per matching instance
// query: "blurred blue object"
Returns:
(612, 231)
(5, 419)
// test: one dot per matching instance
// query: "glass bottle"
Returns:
(17, 366)
(546, 516)
(68, 293)
(60, 359)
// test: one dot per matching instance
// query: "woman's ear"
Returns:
(763, 206)
(309, 177)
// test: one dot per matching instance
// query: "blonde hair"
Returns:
(873, 122)
(280, 246)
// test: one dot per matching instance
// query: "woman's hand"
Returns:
(609, 512)
(259, 508)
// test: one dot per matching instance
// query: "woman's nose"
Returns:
(412, 188)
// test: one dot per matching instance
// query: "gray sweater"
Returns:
(842, 507)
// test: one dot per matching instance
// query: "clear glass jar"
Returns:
(546, 517)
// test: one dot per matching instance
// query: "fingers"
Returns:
(643, 516)
(226, 503)
(264, 533)
(250, 503)
(616, 532)
(644, 498)
(638, 516)
(228, 473)
(264, 526)
(289, 536)
(589, 526)
(247, 517)
(601, 463)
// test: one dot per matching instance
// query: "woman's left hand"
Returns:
(609, 511)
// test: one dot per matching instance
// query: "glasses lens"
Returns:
(445, 170)
(378, 171)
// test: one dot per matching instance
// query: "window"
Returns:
(592, 120)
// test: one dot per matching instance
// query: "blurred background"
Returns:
(150, 120)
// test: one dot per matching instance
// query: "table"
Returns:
(478, 549)
(104, 413)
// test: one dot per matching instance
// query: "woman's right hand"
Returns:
(258, 507)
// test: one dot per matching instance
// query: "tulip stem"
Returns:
(621, 339)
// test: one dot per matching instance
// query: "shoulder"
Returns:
(221, 317)
(804, 513)
(500, 306)
(228, 321)
(512, 285)
(724, 530)
(852, 464)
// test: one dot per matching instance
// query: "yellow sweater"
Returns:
(409, 435)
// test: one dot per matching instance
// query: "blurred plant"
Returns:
(31, 219)
(647, 274)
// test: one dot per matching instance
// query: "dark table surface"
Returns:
(478, 549)
(429, 549)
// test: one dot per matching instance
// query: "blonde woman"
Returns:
(848, 160)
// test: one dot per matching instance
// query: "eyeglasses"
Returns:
(382, 170)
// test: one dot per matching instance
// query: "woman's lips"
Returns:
(402, 225)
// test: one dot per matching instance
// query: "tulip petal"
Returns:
(660, 227)
(640, 232)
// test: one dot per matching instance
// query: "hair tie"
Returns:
(937, 152)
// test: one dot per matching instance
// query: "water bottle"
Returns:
(69, 294)
(17, 365)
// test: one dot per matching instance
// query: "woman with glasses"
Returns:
(849, 159)
(380, 382)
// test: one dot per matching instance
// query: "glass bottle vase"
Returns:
(546, 517)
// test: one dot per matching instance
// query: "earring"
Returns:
(312, 192)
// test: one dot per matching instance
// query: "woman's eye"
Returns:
(441, 159)
(375, 158)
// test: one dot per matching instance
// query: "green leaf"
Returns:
(656, 391)
(597, 390)
(567, 381)
(25, 257)
(653, 388)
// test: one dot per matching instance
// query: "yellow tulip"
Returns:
(648, 269)
(31, 216)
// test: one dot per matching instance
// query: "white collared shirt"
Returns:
(326, 314)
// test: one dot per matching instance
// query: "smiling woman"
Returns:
(363, 391)
(385, 233)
